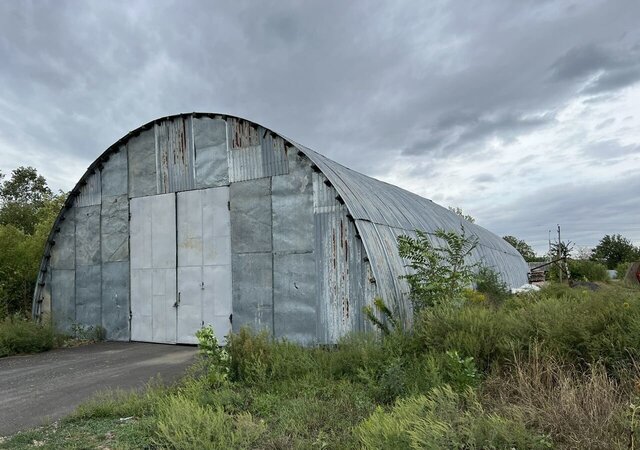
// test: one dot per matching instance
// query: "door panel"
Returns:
(204, 262)
(153, 263)
(171, 300)
(190, 305)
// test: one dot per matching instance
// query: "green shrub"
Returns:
(585, 270)
(439, 274)
(579, 327)
(216, 360)
(19, 335)
(444, 419)
(488, 282)
(622, 269)
(182, 423)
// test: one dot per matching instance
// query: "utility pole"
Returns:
(549, 252)
(559, 252)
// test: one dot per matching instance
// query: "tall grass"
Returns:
(18, 335)
(555, 368)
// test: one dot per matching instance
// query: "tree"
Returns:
(21, 198)
(440, 272)
(523, 248)
(27, 211)
(458, 211)
(615, 249)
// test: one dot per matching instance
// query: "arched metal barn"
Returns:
(200, 219)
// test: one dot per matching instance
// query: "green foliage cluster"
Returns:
(18, 335)
(27, 211)
(523, 248)
(440, 272)
(489, 283)
(215, 358)
(615, 249)
(585, 270)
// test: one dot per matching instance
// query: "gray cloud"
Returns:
(418, 83)
(484, 178)
(586, 212)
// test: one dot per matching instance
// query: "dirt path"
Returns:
(38, 388)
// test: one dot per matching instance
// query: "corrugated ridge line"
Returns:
(91, 193)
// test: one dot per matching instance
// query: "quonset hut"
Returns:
(200, 219)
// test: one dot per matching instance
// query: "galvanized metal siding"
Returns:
(88, 277)
(174, 155)
(91, 192)
(382, 212)
(141, 154)
(254, 151)
(339, 265)
(210, 152)
(294, 275)
(252, 257)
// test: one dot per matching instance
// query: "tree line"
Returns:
(28, 208)
(611, 251)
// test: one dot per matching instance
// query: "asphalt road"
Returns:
(36, 389)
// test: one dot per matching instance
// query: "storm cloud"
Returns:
(515, 99)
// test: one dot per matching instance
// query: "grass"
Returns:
(19, 335)
(555, 369)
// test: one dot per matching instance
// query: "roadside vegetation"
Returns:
(477, 369)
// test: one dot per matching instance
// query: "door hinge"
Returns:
(229, 206)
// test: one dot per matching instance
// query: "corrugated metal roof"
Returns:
(383, 212)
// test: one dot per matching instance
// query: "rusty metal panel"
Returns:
(254, 152)
(253, 291)
(91, 192)
(250, 203)
(88, 235)
(114, 228)
(141, 157)
(210, 152)
(338, 265)
(175, 166)
(114, 173)
(115, 300)
(379, 208)
(294, 297)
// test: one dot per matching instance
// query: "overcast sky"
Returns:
(525, 114)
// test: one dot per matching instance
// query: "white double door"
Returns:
(180, 265)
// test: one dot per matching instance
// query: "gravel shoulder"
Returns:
(37, 389)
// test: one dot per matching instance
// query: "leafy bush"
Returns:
(488, 282)
(439, 273)
(18, 335)
(216, 359)
(585, 270)
(444, 419)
